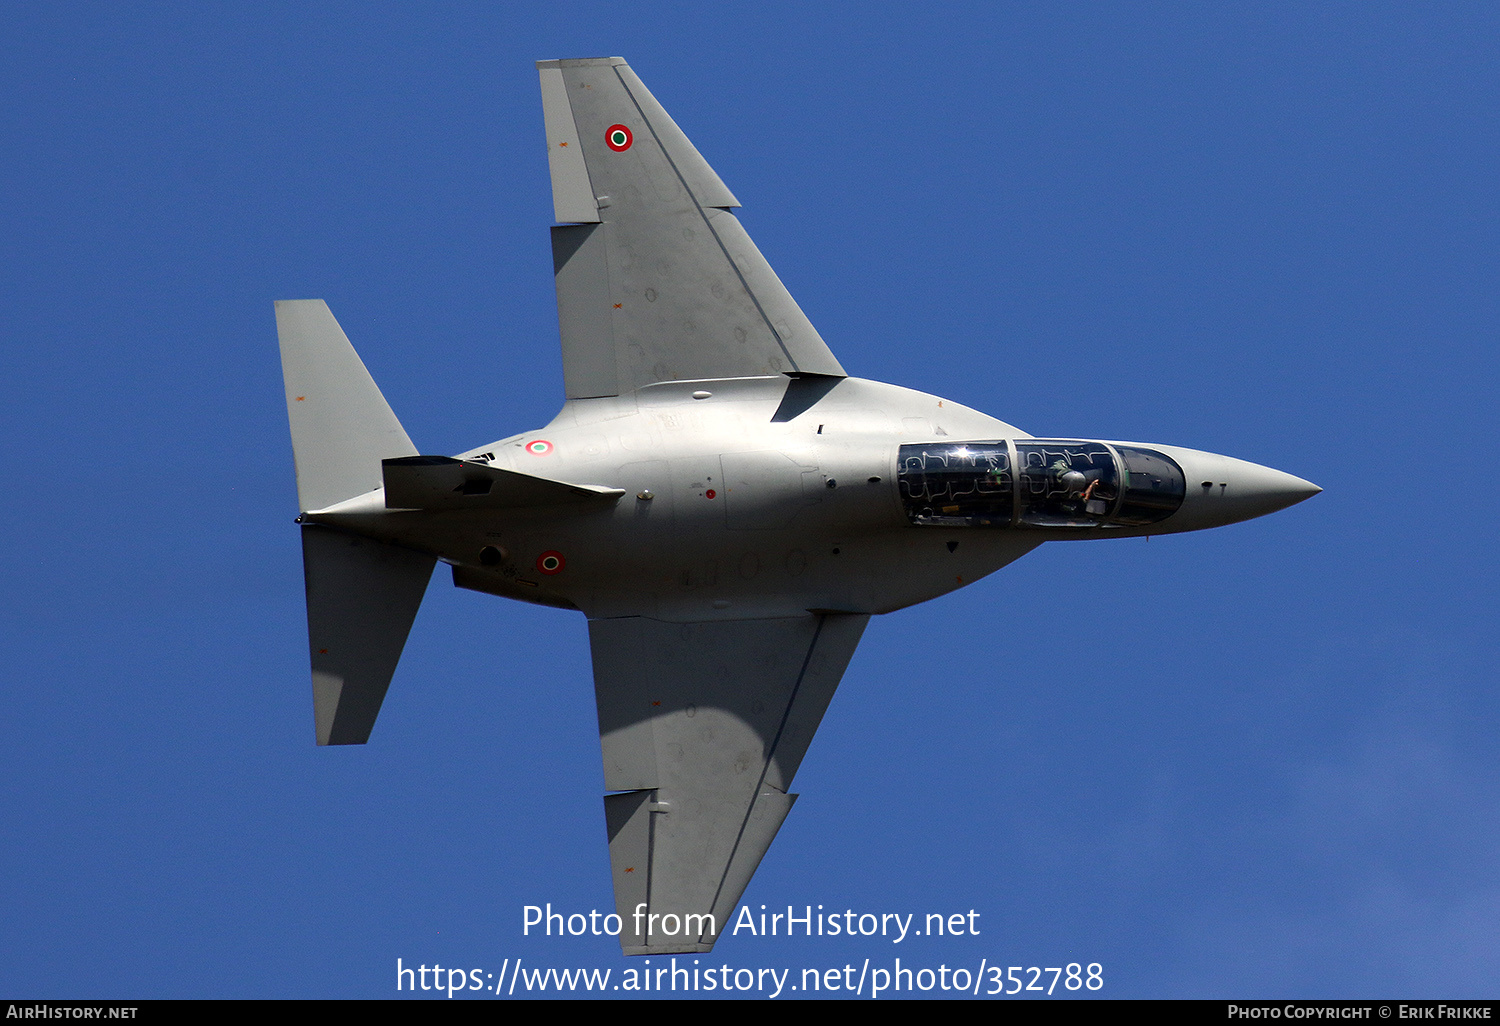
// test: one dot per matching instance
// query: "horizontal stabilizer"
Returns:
(444, 483)
(342, 427)
(362, 597)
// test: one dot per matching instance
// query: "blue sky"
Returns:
(1257, 761)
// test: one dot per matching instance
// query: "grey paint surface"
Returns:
(441, 483)
(342, 426)
(727, 525)
(572, 195)
(711, 746)
(580, 265)
(668, 285)
(362, 596)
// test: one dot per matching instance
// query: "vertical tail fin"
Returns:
(342, 427)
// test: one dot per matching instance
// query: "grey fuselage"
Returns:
(757, 497)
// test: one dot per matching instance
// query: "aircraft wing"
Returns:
(656, 280)
(702, 727)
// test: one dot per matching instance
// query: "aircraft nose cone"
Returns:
(1224, 490)
(1253, 491)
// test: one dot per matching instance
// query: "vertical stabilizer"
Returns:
(342, 427)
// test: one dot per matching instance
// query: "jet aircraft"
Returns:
(725, 505)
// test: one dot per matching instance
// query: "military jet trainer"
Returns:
(724, 504)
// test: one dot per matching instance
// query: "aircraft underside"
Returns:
(725, 505)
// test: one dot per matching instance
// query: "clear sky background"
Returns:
(1256, 761)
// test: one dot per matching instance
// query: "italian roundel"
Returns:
(618, 138)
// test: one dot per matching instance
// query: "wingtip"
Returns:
(580, 62)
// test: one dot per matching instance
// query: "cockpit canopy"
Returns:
(1037, 482)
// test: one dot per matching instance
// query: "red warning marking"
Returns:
(540, 447)
(710, 493)
(322, 651)
(630, 869)
(618, 305)
(618, 138)
(301, 397)
(551, 562)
